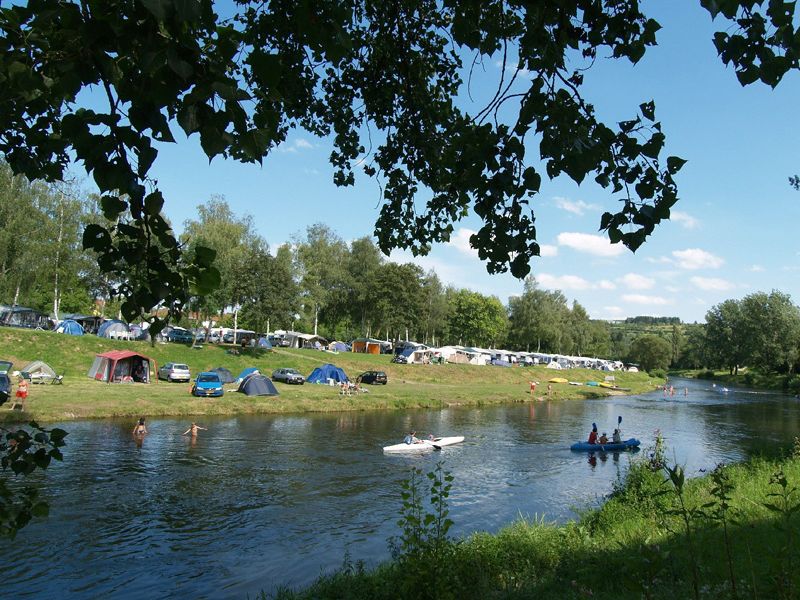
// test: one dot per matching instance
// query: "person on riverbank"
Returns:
(194, 429)
(593, 434)
(140, 428)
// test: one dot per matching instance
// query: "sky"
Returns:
(734, 230)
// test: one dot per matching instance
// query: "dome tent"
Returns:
(69, 327)
(113, 329)
(256, 384)
(327, 372)
(225, 376)
(246, 372)
(39, 372)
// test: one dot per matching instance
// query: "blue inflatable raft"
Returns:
(610, 447)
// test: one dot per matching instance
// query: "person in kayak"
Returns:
(593, 434)
(617, 437)
(604, 438)
(412, 438)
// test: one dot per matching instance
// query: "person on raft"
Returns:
(412, 438)
(593, 434)
(617, 437)
(603, 438)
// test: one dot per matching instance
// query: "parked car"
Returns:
(288, 376)
(207, 384)
(5, 381)
(375, 377)
(182, 336)
(174, 372)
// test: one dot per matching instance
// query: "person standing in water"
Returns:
(194, 429)
(140, 428)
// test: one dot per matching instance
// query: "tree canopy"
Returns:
(242, 81)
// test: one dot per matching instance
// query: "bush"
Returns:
(707, 374)
(660, 373)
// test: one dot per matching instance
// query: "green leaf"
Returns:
(157, 8)
(648, 110)
(674, 164)
(153, 203)
(96, 237)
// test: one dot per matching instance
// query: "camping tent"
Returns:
(19, 316)
(246, 372)
(122, 366)
(225, 376)
(327, 372)
(39, 372)
(69, 327)
(114, 329)
(256, 384)
(264, 342)
(341, 347)
(139, 333)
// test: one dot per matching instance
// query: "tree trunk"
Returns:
(56, 296)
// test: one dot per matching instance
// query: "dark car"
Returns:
(288, 376)
(181, 336)
(5, 381)
(375, 377)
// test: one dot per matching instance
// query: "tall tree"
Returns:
(347, 69)
(726, 338)
(321, 260)
(650, 352)
(770, 324)
(477, 320)
(233, 241)
(364, 262)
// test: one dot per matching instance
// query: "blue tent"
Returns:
(325, 372)
(257, 385)
(339, 347)
(225, 376)
(246, 372)
(69, 327)
(264, 343)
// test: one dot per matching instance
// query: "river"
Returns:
(259, 502)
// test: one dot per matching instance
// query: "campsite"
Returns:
(411, 386)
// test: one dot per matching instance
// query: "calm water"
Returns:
(260, 502)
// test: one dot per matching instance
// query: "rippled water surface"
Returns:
(258, 502)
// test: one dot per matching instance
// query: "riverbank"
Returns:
(410, 386)
(746, 378)
(729, 534)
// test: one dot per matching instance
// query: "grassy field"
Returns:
(410, 386)
(730, 534)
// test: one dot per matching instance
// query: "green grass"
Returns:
(410, 386)
(634, 546)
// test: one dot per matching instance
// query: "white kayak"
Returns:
(422, 445)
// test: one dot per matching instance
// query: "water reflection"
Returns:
(258, 502)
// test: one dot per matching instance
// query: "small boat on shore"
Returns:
(423, 445)
(608, 447)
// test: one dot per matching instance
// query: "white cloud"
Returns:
(695, 258)
(460, 241)
(563, 282)
(572, 282)
(712, 284)
(547, 250)
(295, 145)
(576, 207)
(756, 269)
(637, 282)
(597, 245)
(685, 220)
(614, 310)
(643, 299)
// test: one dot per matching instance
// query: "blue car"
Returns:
(207, 384)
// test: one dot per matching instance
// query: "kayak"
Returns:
(610, 447)
(434, 444)
(558, 380)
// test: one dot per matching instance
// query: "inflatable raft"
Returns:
(609, 447)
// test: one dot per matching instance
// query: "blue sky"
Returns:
(733, 231)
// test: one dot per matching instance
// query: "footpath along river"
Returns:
(260, 502)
